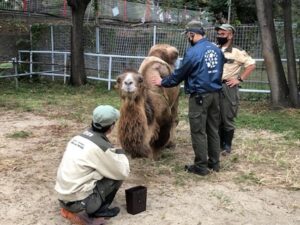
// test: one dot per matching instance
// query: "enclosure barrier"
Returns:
(61, 67)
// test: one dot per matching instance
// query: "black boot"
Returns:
(228, 136)
(222, 138)
(107, 212)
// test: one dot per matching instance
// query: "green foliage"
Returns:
(242, 12)
(245, 11)
(95, 5)
(19, 134)
(37, 31)
(6, 66)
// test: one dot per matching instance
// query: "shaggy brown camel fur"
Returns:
(148, 113)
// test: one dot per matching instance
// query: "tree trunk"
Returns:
(276, 76)
(290, 53)
(78, 76)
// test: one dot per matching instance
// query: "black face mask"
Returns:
(222, 40)
(191, 40)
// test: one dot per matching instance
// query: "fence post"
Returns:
(98, 50)
(109, 73)
(52, 49)
(298, 74)
(30, 52)
(15, 65)
(154, 35)
(30, 61)
(65, 67)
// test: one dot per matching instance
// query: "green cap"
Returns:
(225, 26)
(105, 115)
(195, 27)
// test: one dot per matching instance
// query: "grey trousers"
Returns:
(204, 125)
(102, 196)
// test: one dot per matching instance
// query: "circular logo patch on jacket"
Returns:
(211, 59)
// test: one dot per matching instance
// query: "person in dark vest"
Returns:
(235, 59)
(91, 171)
(201, 70)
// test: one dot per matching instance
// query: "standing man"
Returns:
(201, 71)
(235, 60)
(91, 171)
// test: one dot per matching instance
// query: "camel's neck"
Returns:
(138, 106)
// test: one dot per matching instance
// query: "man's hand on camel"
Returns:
(156, 80)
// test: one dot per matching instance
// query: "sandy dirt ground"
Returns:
(28, 171)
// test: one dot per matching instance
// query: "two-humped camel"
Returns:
(148, 112)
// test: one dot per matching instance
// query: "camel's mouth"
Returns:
(128, 94)
(128, 89)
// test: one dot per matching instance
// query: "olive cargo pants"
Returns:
(229, 103)
(204, 118)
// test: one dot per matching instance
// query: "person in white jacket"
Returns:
(92, 170)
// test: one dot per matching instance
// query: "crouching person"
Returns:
(92, 171)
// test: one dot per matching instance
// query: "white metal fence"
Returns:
(111, 49)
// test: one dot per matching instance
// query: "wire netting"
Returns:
(124, 44)
(123, 10)
(136, 41)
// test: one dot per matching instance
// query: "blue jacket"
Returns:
(201, 69)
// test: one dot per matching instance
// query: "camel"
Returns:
(148, 112)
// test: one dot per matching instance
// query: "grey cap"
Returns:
(195, 27)
(225, 26)
(105, 115)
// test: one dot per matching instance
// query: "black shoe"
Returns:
(226, 150)
(107, 212)
(196, 170)
(214, 167)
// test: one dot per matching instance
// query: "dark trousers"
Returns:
(204, 125)
(229, 103)
(102, 196)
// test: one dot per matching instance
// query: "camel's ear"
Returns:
(140, 78)
(118, 81)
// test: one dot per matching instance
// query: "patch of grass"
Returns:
(258, 115)
(45, 95)
(221, 196)
(255, 157)
(247, 178)
(224, 200)
(229, 162)
(19, 134)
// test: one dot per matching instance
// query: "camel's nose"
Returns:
(128, 86)
(128, 83)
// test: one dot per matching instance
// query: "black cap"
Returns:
(195, 27)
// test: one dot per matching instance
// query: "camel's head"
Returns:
(130, 84)
(166, 52)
